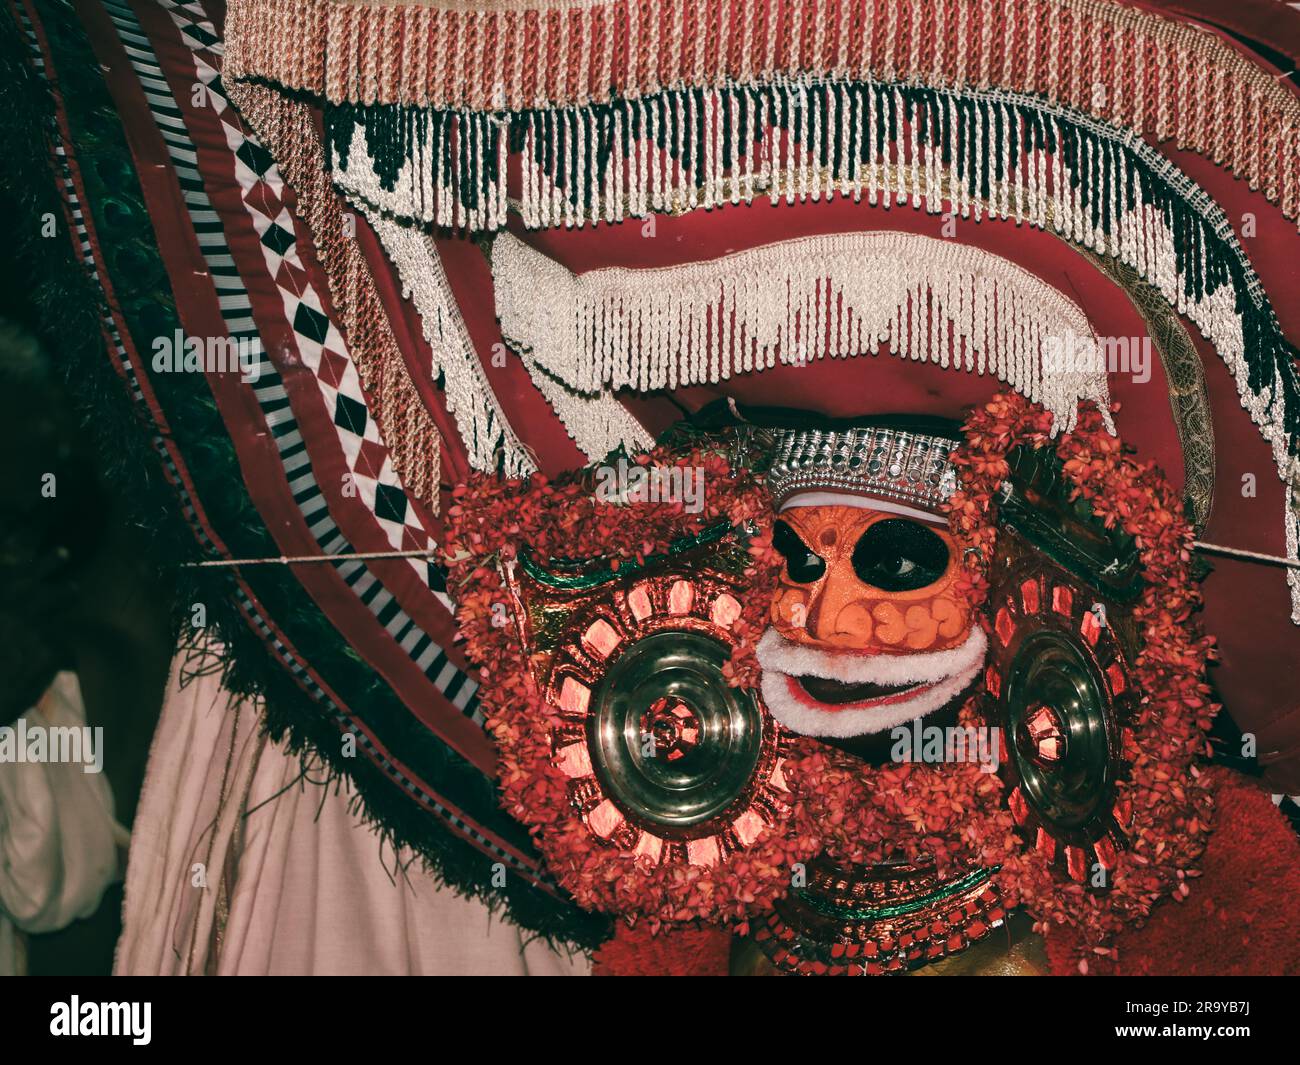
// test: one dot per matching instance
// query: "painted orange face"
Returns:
(867, 581)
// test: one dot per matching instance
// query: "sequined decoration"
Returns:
(875, 921)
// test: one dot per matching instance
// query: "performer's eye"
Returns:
(801, 563)
(898, 555)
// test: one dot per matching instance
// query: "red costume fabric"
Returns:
(1239, 918)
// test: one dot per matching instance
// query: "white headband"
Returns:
(844, 499)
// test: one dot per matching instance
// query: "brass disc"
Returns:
(680, 779)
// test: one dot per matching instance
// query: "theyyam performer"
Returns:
(815, 483)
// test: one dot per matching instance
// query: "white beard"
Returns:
(937, 676)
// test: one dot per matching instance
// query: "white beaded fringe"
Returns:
(470, 399)
(789, 303)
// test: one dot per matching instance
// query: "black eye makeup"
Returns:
(802, 564)
(899, 555)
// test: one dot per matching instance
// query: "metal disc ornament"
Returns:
(1058, 683)
(1061, 728)
(665, 760)
(672, 743)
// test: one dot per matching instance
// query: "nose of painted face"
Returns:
(867, 581)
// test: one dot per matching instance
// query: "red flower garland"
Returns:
(490, 520)
(1171, 805)
(954, 813)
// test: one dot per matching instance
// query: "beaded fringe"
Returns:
(893, 144)
(286, 128)
(489, 441)
(1139, 69)
(790, 303)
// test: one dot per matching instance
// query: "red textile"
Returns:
(1262, 21)
(686, 952)
(1242, 917)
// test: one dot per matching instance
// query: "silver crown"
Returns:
(911, 468)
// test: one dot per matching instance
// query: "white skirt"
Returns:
(239, 865)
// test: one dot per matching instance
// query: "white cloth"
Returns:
(58, 837)
(13, 950)
(298, 886)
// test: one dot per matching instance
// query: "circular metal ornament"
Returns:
(1060, 727)
(1058, 683)
(666, 761)
(672, 744)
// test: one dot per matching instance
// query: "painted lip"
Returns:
(854, 696)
